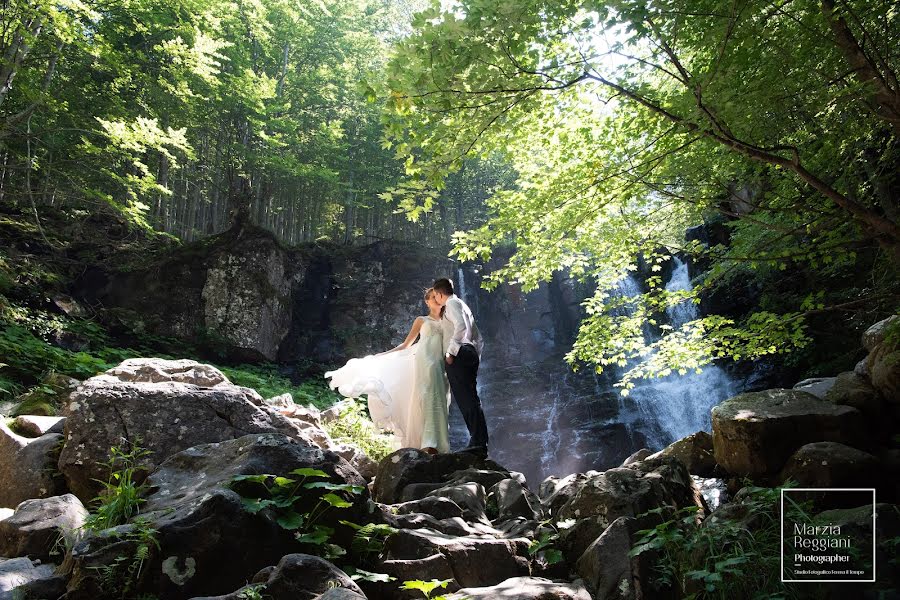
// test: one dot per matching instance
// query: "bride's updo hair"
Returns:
(428, 294)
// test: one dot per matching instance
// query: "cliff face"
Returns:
(257, 300)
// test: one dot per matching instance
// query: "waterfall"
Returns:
(461, 276)
(669, 408)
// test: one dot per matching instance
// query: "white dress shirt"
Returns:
(461, 329)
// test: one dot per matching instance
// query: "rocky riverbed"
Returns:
(246, 497)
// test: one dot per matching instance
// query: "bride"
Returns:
(406, 386)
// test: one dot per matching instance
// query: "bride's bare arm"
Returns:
(411, 337)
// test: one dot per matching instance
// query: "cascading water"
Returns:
(672, 407)
(461, 287)
(544, 419)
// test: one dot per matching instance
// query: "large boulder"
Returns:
(27, 466)
(18, 573)
(296, 577)
(525, 588)
(555, 493)
(829, 464)
(165, 407)
(626, 491)
(854, 390)
(755, 433)
(856, 524)
(875, 334)
(883, 361)
(817, 386)
(210, 540)
(694, 451)
(409, 466)
(247, 297)
(37, 525)
(606, 568)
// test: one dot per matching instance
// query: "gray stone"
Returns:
(283, 402)
(624, 492)
(157, 404)
(18, 572)
(475, 561)
(341, 594)
(37, 425)
(486, 478)
(409, 466)
(247, 297)
(208, 542)
(637, 456)
(298, 577)
(606, 568)
(694, 451)
(515, 500)
(874, 335)
(883, 364)
(161, 370)
(817, 386)
(755, 433)
(37, 525)
(470, 497)
(829, 464)
(525, 588)
(27, 466)
(554, 494)
(366, 467)
(850, 389)
(334, 412)
(437, 506)
(436, 566)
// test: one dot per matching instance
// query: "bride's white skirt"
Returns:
(407, 396)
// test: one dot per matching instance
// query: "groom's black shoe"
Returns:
(479, 451)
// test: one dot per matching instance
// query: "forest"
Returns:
(677, 224)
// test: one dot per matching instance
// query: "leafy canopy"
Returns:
(628, 122)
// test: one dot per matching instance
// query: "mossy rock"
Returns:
(46, 398)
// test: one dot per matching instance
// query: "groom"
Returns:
(463, 355)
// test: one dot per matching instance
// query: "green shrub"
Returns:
(355, 427)
(285, 497)
(730, 559)
(266, 380)
(122, 494)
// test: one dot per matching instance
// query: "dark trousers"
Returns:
(462, 375)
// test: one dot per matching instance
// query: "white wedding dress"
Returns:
(407, 390)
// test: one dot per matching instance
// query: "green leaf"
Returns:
(336, 501)
(290, 520)
(309, 472)
(254, 505)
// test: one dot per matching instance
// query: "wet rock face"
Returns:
(374, 295)
(260, 301)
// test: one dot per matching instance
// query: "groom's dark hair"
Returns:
(444, 286)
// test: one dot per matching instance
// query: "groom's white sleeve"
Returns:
(454, 313)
